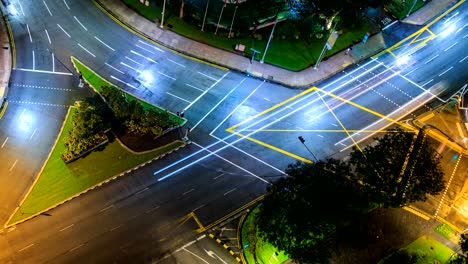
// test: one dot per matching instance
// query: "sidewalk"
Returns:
(304, 78)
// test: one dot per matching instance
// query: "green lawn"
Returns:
(59, 181)
(97, 82)
(431, 249)
(400, 8)
(253, 245)
(446, 231)
(291, 54)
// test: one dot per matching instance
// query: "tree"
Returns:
(400, 169)
(308, 237)
(457, 259)
(464, 242)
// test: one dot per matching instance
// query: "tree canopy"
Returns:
(399, 169)
(302, 211)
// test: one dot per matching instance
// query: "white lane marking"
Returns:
(462, 59)
(102, 42)
(221, 175)
(189, 85)
(13, 166)
(199, 207)
(4, 142)
(147, 50)
(87, 50)
(181, 65)
(428, 82)
(152, 209)
(178, 97)
(65, 2)
(128, 66)
(215, 153)
(207, 90)
(333, 124)
(465, 36)
(64, 30)
(79, 22)
(47, 7)
(29, 33)
(451, 46)
(165, 75)
(48, 37)
(114, 228)
(230, 191)
(142, 191)
(266, 99)
(214, 107)
(107, 208)
(33, 61)
(107, 64)
(33, 133)
(431, 59)
(187, 192)
(26, 247)
(21, 7)
(36, 103)
(212, 78)
(446, 71)
(29, 70)
(460, 29)
(65, 228)
(134, 61)
(117, 79)
(156, 48)
(53, 62)
(22, 113)
(411, 71)
(77, 247)
(138, 54)
(320, 135)
(235, 109)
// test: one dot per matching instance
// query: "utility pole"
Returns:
(324, 48)
(411, 9)
(269, 40)
(204, 16)
(162, 17)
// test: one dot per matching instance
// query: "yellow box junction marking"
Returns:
(319, 93)
(416, 38)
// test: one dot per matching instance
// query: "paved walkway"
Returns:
(5, 59)
(231, 60)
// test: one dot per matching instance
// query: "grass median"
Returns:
(58, 182)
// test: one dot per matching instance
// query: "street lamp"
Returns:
(302, 140)
(204, 16)
(220, 15)
(162, 17)
(233, 16)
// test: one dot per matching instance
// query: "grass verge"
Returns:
(432, 250)
(97, 82)
(255, 249)
(400, 8)
(446, 231)
(291, 54)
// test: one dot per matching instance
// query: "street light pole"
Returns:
(324, 47)
(269, 40)
(232, 22)
(302, 140)
(219, 19)
(162, 18)
(204, 16)
(411, 9)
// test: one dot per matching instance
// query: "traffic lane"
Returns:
(201, 251)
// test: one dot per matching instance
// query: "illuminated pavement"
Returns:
(243, 134)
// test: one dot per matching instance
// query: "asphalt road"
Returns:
(140, 217)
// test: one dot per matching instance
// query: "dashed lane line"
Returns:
(79, 22)
(43, 87)
(103, 43)
(37, 103)
(47, 7)
(66, 33)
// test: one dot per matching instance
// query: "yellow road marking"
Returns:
(319, 130)
(154, 42)
(416, 212)
(287, 153)
(429, 116)
(231, 129)
(445, 13)
(338, 120)
(3, 109)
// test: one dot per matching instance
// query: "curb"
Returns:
(225, 246)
